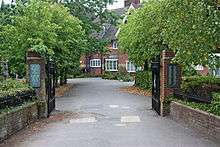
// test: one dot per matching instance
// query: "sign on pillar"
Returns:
(36, 77)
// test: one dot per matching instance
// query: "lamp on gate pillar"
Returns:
(36, 75)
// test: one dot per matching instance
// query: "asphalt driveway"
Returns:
(109, 118)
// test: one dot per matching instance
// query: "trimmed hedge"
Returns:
(213, 108)
(14, 93)
(10, 87)
(117, 76)
(201, 84)
(143, 80)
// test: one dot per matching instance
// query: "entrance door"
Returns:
(156, 85)
(50, 87)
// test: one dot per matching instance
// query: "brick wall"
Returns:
(204, 72)
(202, 121)
(165, 90)
(111, 54)
(17, 119)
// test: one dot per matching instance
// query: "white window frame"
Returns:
(199, 68)
(130, 67)
(95, 63)
(111, 68)
(114, 44)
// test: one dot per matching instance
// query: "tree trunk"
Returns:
(146, 65)
(65, 76)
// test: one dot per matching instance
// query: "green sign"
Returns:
(35, 75)
(173, 71)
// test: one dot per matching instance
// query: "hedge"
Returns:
(117, 76)
(143, 80)
(201, 84)
(14, 93)
(213, 108)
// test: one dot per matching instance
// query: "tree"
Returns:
(140, 37)
(49, 29)
(190, 28)
(93, 14)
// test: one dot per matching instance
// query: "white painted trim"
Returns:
(111, 69)
(96, 62)
(128, 70)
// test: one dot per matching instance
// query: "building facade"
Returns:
(113, 60)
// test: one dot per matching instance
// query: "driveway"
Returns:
(109, 118)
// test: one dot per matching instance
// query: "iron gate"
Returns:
(155, 65)
(50, 86)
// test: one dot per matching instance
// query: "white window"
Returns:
(130, 67)
(95, 63)
(111, 64)
(114, 45)
(199, 67)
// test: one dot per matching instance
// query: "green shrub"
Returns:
(125, 77)
(110, 75)
(213, 108)
(205, 84)
(143, 79)
(11, 87)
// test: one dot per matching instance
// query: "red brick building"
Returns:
(95, 64)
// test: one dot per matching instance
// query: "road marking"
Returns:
(84, 120)
(120, 125)
(125, 107)
(130, 119)
(113, 106)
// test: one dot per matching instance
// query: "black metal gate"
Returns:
(156, 85)
(50, 86)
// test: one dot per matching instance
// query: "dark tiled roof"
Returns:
(110, 33)
(111, 30)
(120, 11)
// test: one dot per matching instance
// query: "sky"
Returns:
(117, 4)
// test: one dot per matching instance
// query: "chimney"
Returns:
(129, 2)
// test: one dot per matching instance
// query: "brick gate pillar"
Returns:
(170, 79)
(36, 77)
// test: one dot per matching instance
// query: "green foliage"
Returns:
(47, 28)
(125, 77)
(143, 80)
(140, 37)
(189, 71)
(12, 87)
(213, 108)
(93, 14)
(206, 84)
(12, 109)
(190, 28)
(201, 85)
(43, 51)
(110, 75)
